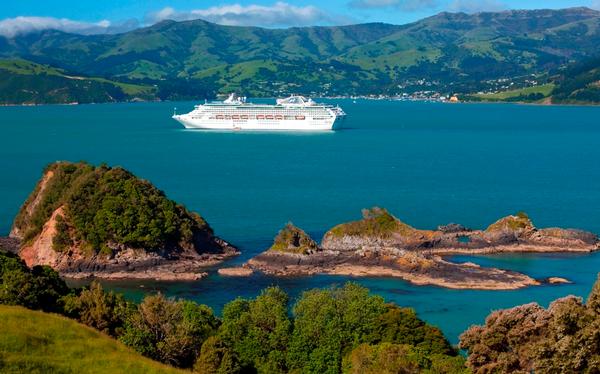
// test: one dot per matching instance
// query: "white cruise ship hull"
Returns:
(269, 125)
(295, 113)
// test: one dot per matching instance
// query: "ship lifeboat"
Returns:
(235, 117)
(269, 117)
(220, 117)
(279, 118)
(300, 118)
(244, 117)
(227, 117)
(260, 116)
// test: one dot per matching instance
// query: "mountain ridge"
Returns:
(453, 52)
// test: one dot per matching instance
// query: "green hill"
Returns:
(449, 52)
(576, 83)
(22, 81)
(37, 342)
(579, 83)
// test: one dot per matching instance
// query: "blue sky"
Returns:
(90, 16)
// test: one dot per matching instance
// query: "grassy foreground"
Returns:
(37, 342)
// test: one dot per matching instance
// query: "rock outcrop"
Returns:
(509, 234)
(87, 221)
(292, 239)
(381, 245)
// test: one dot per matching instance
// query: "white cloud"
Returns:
(407, 5)
(475, 6)
(276, 15)
(11, 27)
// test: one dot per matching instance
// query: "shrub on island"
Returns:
(292, 239)
(376, 222)
(104, 209)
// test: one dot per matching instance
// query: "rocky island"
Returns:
(87, 221)
(381, 245)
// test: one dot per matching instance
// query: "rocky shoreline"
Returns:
(129, 265)
(414, 268)
(380, 245)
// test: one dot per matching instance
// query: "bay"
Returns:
(428, 163)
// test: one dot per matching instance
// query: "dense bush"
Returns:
(325, 328)
(563, 338)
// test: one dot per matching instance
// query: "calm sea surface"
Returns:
(429, 164)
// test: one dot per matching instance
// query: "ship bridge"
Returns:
(295, 101)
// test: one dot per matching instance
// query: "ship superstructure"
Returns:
(296, 113)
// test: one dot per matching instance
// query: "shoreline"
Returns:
(582, 105)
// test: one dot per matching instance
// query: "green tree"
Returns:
(104, 311)
(329, 323)
(402, 326)
(169, 331)
(258, 330)
(215, 357)
(384, 358)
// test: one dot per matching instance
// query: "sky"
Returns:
(102, 16)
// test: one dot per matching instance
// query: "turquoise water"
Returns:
(429, 164)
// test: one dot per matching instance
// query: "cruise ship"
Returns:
(295, 113)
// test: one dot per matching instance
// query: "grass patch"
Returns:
(376, 222)
(38, 342)
(545, 90)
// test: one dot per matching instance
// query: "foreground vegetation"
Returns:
(337, 330)
(326, 331)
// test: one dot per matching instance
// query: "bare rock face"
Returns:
(98, 221)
